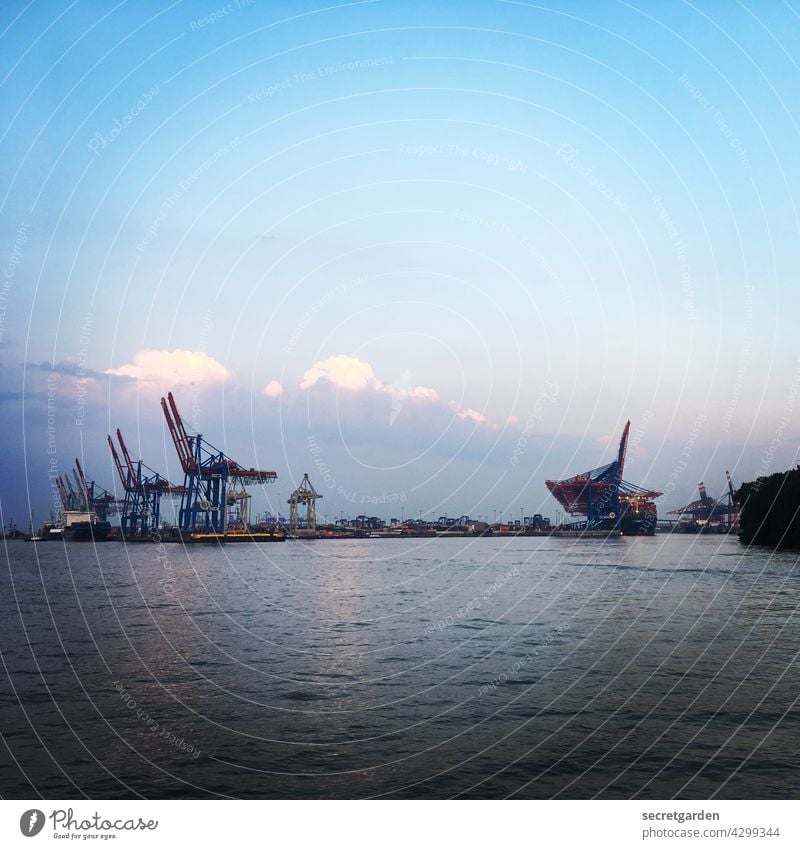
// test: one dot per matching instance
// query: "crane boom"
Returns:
(623, 449)
(178, 434)
(117, 463)
(62, 493)
(126, 455)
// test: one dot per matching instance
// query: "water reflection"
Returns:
(651, 667)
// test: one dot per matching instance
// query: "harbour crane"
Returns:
(141, 508)
(213, 482)
(304, 495)
(90, 496)
(708, 512)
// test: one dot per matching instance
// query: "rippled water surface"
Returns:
(526, 667)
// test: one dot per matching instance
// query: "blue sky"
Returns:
(480, 200)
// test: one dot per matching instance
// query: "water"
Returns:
(651, 667)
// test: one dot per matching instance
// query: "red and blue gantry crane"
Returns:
(215, 497)
(143, 488)
(606, 500)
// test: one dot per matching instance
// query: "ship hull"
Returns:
(638, 524)
(86, 532)
(237, 537)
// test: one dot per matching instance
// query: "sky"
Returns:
(430, 253)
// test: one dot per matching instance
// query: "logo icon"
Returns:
(31, 822)
(399, 392)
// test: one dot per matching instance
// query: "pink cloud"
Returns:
(273, 389)
(467, 413)
(177, 366)
(342, 371)
(424, 393)
(350, 373)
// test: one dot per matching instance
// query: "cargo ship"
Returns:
(608, 502)
(82, 526)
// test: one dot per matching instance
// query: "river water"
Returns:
(525, 667)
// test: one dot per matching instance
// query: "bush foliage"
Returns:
(771, 510)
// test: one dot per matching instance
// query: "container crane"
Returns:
(213, 482)
(707, 512)
(304, 495)
(141, 509)
(91, 497)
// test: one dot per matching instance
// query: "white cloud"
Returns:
(178, 366)
(273, 389)
(343, 372)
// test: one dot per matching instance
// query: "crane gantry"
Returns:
(213, 482)
(141, 507)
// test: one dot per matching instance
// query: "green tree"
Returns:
(770, 512)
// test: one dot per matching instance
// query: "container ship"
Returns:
(608, 502)
(83, 526)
